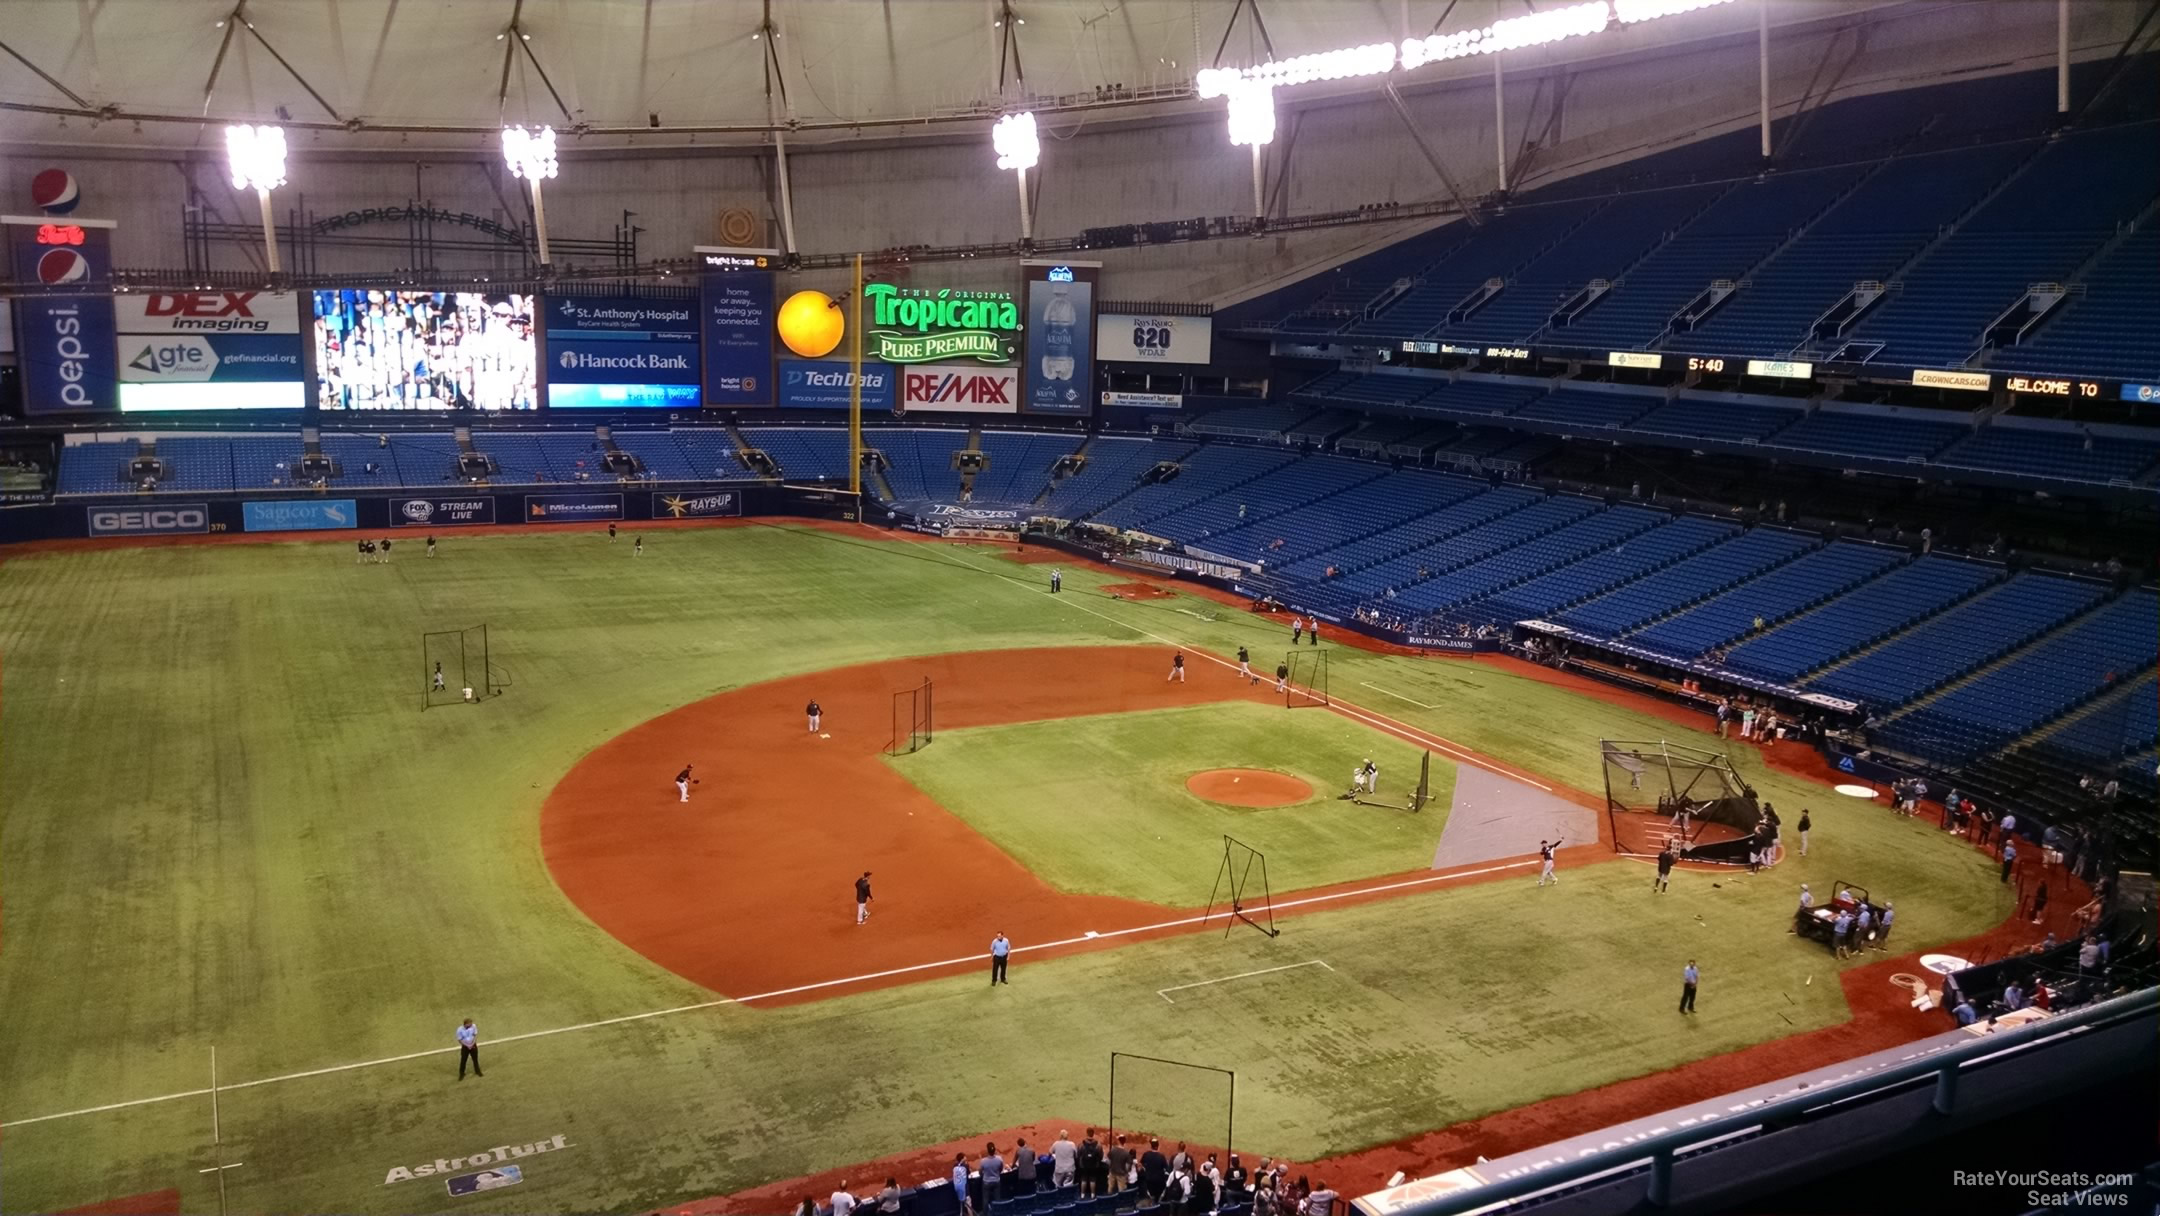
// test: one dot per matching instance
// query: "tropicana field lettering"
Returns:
(480, 1160)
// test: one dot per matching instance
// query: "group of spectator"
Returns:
(1179, 1181)
(1758, 725)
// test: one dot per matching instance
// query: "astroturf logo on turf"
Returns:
(478, 1161)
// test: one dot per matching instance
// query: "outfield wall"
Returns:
(444, 512)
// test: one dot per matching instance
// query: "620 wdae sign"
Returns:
(1124, 337)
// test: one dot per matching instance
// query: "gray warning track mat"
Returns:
(1496, 817)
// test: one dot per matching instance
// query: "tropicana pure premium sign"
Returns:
(917, 325)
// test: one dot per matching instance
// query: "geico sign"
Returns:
(141, 521)
(959, 389)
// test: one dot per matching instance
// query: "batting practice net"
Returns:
(460, 656)
(1173, 1100)
(1241, 889)
(1669, 792)
(911, 719)
(1308, 679)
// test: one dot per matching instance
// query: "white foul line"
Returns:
(1398, 696)
(969, 959)
(1164, 993)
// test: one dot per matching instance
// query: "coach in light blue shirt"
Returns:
(999, 948)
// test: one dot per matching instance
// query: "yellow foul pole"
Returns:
(854, 415)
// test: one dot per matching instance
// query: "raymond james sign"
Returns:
(946, 324)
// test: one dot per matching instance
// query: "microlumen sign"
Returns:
(949, 324)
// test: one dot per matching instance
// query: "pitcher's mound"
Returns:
(1248, 787)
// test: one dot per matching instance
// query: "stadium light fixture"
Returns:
(256, 157)
(1019, 148)
(1246, 88)
(531, 156)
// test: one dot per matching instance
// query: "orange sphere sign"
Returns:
(811, 324)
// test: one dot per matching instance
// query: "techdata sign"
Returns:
(1060, 359)
(924, 324)
(960, 388)
(696, 506)
(64, 341)
(300, 515)
(441, 512)
(210, 350)
(823, 384)
(621, 352)
(1124, 337)
(570, 508)
(735, 302)
(167, 519)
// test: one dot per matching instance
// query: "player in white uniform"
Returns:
(1372, 777)
(1357, 780)
(1545, 850)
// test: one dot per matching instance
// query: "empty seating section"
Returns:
(1274, 501)
(1796, 586)
(1621, 232)
(1515, 563)
(1211, 470)
(1869, 235)
(1466, 547)
(1495, 250)
(1459, 515)
(2052, 453)
(1966, 637)
(194, 465)
(519, 459)
(2038, 683)
(2126, 722)
(1375, 437)
(1721, 566)
(1379, 389)
(1251, 421)
(1884, 437)
(1581, 407)
(1482, 397)
(1322, 427)
(1734, 233)
(802, 453)
(574, 456)
(713, 453)
(1731, 421)
(1360, 510)
(354, 453)
(663, 458)
(919, 461)
(1019, 465)
(425, 459)
(2110, 324)
(2043, 225)
(1356, 285)
(269, 461)
(1860, 618)
(1113, 467)
(1600, 572)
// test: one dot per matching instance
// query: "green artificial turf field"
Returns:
(1163, 843)
(225, 823)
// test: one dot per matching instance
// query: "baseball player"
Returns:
(359, 552)
(438, 678)
(862, 898)
(431, 546)
(1057, 580)
(611, 532)
(637, 547)
(1357, 781)
(682, 781)
(1282, 677)
(1244, 666)
(816, 714)
(1312, 631)
(1372, 777)
(386, 550)
(1177, 667)
(1664, 868)
(1545, 850)
(1297, 629)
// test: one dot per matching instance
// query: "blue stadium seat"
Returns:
(1861, 617)
(1699, 577)
(1952, 643)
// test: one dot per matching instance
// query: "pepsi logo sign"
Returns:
(57, 266)
(54, 191)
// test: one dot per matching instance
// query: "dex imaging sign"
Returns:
(210, 350)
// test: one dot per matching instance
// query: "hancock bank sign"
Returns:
(478, 1161)
(916, 325)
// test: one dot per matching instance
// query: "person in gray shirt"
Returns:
(1064, 1155)
(1023, 1168)
(992, 1167)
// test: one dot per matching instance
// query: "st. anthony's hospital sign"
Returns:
(480, 1160)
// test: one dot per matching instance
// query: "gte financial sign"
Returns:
(918, 325)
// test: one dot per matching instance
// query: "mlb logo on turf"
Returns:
(486, 1180)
